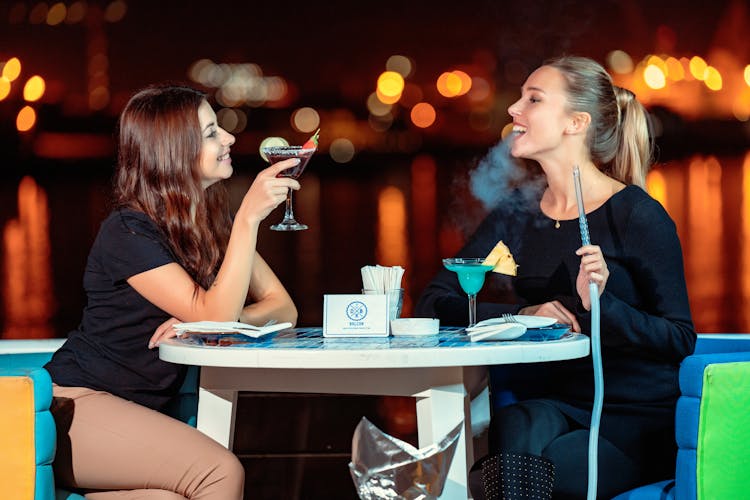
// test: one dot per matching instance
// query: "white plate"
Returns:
(527, 321)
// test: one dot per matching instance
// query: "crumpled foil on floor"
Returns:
(383, 466)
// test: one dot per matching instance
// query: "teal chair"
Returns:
(712, 424)
(27, 429)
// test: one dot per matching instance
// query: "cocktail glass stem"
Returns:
(288, 210)
(472, 309)
(289, 223)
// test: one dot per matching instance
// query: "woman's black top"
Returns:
(109, 349)
(646, 326)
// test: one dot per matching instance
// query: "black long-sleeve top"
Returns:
(646, 327)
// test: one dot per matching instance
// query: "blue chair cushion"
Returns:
(663, 490)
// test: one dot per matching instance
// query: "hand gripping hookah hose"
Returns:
(596, 351)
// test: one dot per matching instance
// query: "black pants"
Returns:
(538, 427)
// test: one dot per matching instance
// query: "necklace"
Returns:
(557, 224)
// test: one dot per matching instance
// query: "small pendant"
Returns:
(557, 224)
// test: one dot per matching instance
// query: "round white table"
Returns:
(437, 370)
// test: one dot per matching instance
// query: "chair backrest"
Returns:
(712, 422)
(27, 434)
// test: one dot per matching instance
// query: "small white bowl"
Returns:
(415, 327)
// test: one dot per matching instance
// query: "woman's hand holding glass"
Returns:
(267, 192)
(593, 269)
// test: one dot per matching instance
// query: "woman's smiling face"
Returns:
(215, 162)
(540, 116)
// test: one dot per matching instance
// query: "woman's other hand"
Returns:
(593, 269)
(553, 309)
(267, 191)
(163, 332)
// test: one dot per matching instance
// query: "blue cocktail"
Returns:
(470, 273)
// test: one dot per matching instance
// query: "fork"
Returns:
(508, 318)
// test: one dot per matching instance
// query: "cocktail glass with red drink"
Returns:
(278, 153)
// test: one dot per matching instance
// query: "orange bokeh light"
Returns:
(423, 115)
(25, 119)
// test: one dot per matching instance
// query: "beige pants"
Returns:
(116, 449)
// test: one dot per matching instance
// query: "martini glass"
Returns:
(470, 273)
(278, 153)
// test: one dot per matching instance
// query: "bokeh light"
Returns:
(448, 84)
(747, 75)
(38, 14)
(4, 87)
(341, 150)
(385, 99)
(712, 79)
(76, 13)
(620, 62)
(305, 120)
(115, 11)
(377, 107)
(12, 69)
(34, 88)
(390, 84)
(232, 120)
(25, 119)
(658, 62)
(400, 64)
(675, 71)
(465, 82)
(698, 67)
(423, 115)
(654, 77)
(56, 14)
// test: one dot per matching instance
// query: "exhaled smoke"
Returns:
(498, 176)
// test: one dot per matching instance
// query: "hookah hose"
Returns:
(596, 350)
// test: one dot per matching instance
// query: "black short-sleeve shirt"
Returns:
(109, 349)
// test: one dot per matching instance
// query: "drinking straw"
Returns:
(596, 351)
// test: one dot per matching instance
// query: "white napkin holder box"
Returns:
(355, 315)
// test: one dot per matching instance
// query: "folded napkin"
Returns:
(229, 327)
(503, 331)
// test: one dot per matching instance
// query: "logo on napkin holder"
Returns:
(356, 311)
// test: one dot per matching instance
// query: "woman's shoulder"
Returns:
(639, 208)
(126, 220)
(635, 197)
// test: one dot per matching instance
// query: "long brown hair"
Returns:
(157, 173)
(618, 136)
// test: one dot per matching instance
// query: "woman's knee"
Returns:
(229, 466)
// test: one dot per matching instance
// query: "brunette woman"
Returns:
(169, 251)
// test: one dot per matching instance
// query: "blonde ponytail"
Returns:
(633, 158)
